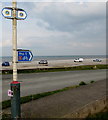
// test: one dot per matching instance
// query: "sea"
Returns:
(65, 57)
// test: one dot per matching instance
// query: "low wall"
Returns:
(89, 109)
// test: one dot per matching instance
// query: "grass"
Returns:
(37, 70)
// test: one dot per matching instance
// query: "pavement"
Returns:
(64, 103)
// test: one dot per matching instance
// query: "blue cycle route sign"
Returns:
(25, 55)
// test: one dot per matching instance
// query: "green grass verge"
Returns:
(82, 67)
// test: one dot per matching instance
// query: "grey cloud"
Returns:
(58, 19)
(26, 5)
(67, 22)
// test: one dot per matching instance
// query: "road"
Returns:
(42, 82)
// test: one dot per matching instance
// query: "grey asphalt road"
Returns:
(42, 82)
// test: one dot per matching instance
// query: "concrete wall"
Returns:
(89, 109)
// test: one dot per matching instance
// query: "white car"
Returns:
(79, 60)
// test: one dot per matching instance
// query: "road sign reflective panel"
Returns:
(21, 14)
(7, 12)
(25, 55)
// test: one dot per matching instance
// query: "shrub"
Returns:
(6, 104)
(6, 117)
(92, 81)
(82, 83)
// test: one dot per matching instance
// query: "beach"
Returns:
(54, 64)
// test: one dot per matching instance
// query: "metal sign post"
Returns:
(14, 41)
(15, 85)
(15, 14)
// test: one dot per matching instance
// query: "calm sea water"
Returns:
(37, 58)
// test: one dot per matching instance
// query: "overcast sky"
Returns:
(59, 28)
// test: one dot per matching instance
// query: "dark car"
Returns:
(5, 64)
(44, 62)
(97, 60)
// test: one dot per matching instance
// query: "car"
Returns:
(97, 60)
(5, 64)
(78, 60)
(45, 62)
